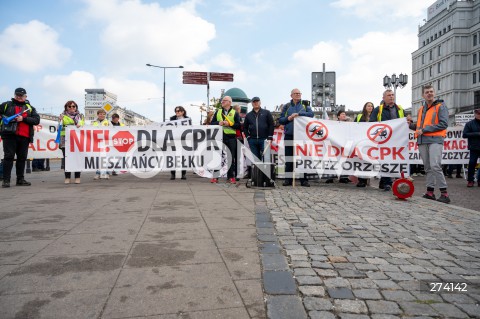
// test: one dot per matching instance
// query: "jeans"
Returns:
(474, 155)
(257, 146)
(431, 155)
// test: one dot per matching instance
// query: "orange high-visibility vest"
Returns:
(431, 118)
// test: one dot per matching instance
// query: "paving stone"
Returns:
(304, 272)
(279, 282)
(319, 258)
(267, 237)
(321, 265)
(449, 310)
(352, 316)
(312, 290)
(470, 309)
(376, 275)
(350, 306)
(300, 264)
(389, 268)
(377, 261)
(367, 294)
(412, 268)
(340, 293)
(337, 259)
(458, 298)
(326, 273)
(314, 303)
(297, 257)
(308, 280)
(363, 266)
(347, 273)
(417, 309)
(321, 315)
(362, 283)
(285, 307)
(381, 306)
(336, 282)
(383, 316)
(386, 284)
(397, 295)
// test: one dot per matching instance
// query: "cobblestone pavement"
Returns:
(361, 253)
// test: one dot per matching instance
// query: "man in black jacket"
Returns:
(472, 133)
(17, 135)
(258, 127)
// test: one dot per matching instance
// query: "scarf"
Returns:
(75, 116)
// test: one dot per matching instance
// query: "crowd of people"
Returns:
(257, 128)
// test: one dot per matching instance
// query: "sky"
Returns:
(57, 49)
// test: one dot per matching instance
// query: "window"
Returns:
(428, 41)
(423, 74)
(439, 50)
(474, 40)
(431, 38)
(439, 67)
(436, 36)
(423, 43)
(431, 72)
(423, 58)
(474, 77)
(438, 85)
(449, 27)
(444, 30)
(431, 55)
(474, 58)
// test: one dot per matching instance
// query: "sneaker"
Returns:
(232, 180)
(450, 176)
(67, 180)
(429, 196)
(97, 176)
(470, 184)
(459, 176)
(214, 180)
(107, 176)
(305, 184)
(329, 181)
(77, 180)
(23, 182)
(444, 199)
(184, 177)
(414, 174)
(287, 183)
(103, 176)
(387, 188)
(361, 184)
(114, 173)
(5, 183)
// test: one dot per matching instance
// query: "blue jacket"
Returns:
(289, 109)
(259, 125)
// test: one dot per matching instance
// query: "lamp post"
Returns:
(164, 67)
(394, 81)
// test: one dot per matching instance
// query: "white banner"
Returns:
(144, 150)
(349, 148)
(43, 145)
(455, 148)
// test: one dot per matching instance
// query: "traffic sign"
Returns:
(194, 74)
(107, 107)
(195, 81)
(215, 76)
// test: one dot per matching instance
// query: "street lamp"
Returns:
(394, 81)
(164, 67)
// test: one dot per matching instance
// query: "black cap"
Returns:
(255, 99)
(477, 111)
(20, 91)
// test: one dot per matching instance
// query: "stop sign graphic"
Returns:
(122, 141)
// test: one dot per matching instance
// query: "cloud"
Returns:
(360, 66)
(170, 36)
(32, 47)
(246, 7)
(381, 9)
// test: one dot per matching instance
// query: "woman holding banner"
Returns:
(180, 114)
(364, 117)
(70, 116)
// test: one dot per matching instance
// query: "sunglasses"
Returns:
(72, 106)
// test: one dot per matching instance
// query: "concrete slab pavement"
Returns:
(128, 247)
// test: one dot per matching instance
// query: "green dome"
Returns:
(237, 95)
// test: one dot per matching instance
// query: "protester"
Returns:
(341, 117)
(364, 117)
(17, 135)
(209, 117)
(180, 114)
(101, 121)
(239, 136)
(70, 116)
(38, 164)
(471, 132)
(116, 120)
(296, 107)
(388, 110)
(431, 130)
(230, 122)
(452, 167)
(258, 128)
